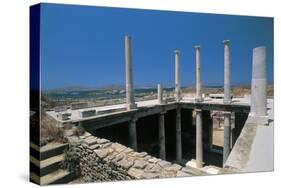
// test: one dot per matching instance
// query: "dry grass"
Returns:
(50, 132)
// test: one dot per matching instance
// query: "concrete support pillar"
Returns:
(133, 134)
(160, 94)
(178, 135)
(227, 135)
(199, 138)
(259, 84)
(177, 76)
(198, 97)
(227, 87)
(130, 99)
(162, 152)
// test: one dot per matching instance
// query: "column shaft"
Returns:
(177, 76)
(227, 88)
(133, 134)
(199, 138)
(198, 97)
(129, 75)
(160, 94)
(259, 83)
(178, 135)
(227, 136)
(162, 152)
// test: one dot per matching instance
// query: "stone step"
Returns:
(51, 150)
(57, 177)
(48, 165)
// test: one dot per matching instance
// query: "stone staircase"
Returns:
(47, 170)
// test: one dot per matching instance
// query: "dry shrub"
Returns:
(50, 132)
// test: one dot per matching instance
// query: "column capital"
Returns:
(197, 46)
(226, 42)
(177, 51)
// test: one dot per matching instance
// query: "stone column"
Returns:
(227, 88)
(227, 135)
(199, 138)
(198, 97)
(178, 135)
(133, 134)
(160, 94)
(162, 151)
(177, 76)
(130, 99)
(259, 84)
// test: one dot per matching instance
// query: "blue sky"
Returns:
(84, 46)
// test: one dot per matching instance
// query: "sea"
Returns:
(98, 94)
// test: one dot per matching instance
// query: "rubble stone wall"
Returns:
(102, 160)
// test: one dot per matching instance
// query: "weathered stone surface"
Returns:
(106, 145)
(182, 174)
(150, 175)
(102, 141)
(174, 167)
(118, 158)
(102, 153)
(73, 139)
(96, 146)
(155, 168)
(90, 140)
(149, 166)
(86, 134)
(140, 164)
(125, 163)
(136, 173)
(164, 163)
(68, 132)
(153, 160)
(128, 150)
(101, 160)
(147, 157)
(142, 154)
(118, 147)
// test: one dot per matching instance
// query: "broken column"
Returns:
(160, 94)
(198, 97)
(259, 84)
(227, 88)
(177, 76)
(162, 151)
(178, 135)
(199, 138)
(227, 135)
(133, 134)
(130, 99)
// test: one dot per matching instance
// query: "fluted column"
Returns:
(198, 97)
(177, 76)
(130, 98)
(227, 87)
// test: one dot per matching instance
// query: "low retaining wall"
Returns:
(102, 160)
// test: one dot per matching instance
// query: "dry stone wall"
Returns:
(102, 160)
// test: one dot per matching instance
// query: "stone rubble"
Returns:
(102, 160)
